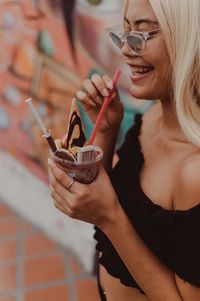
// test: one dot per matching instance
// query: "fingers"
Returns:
(59, 174)
(108, 82)
(96, 90)
(61, 179)
(85, 98)
(100, 85)
(59, 202)
(59, 188)
(63, 199)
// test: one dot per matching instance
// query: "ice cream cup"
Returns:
(84, 172)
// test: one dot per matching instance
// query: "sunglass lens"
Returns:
(135, 43)
(116, 40)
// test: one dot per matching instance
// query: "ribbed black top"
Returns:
(173, 235)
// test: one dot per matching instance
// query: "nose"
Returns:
(127, 51)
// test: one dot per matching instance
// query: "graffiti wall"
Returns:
(41, 57)
(47, 48)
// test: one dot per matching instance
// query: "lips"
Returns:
(136, 68)
(139, 76)
(139, 71)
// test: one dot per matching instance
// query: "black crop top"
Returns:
(173, 235)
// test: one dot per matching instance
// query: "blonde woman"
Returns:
(147, 209)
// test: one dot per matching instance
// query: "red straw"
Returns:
(104, 107)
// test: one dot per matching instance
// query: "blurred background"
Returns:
(47, 48)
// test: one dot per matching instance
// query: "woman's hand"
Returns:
(92, 99)
(93, 203)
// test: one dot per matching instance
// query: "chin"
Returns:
(142, 94)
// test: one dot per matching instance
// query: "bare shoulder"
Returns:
(187, 182)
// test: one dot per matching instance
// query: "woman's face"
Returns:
(151, 71)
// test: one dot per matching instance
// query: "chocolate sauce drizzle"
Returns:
(81, 139)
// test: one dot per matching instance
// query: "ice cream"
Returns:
(79, 160)
(73, 145)
(75, 135)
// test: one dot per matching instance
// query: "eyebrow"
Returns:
(139, 21)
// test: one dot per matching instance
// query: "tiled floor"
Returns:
(33, 268)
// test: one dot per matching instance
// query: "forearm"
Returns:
(152, 276)
(107, 144)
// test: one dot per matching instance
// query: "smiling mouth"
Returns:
(141, 70)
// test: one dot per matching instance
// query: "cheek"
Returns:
(163, 79)
(165, 71)
(162, 63)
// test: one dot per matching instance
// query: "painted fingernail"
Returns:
(109, 85)
(99, 100)
(80, 94)
(92, 103)
(105, 92)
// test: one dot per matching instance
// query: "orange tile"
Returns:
(59, 293)
(87, 290)
(8, 250)
(8, 299)
(37, 243)
(76, 267)
(7, 278)
(44, 269)
(8, 227)
(26, 227)
(5, 211)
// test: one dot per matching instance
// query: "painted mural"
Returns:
(47, 48)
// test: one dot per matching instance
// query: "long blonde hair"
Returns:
(180, 23)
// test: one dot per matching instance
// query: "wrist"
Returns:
(117, 226)
(112, 220)
(108, 134)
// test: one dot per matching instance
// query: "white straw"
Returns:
(36, 115)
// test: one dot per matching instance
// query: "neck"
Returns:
(169, 123)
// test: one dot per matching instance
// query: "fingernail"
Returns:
(105, 92)
(109, 85)
(99, 100)
(49, 161)
(80, 94)
(92, 103)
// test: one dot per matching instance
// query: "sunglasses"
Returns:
(136, 40)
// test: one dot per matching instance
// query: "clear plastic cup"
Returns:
(84, 172)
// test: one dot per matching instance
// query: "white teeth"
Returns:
(141, 69)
